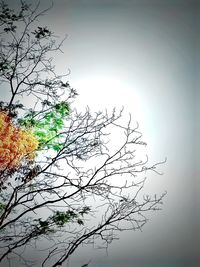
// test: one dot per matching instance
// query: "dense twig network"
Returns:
(74, 189)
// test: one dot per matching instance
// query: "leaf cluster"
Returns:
(42, 32)
(8, 16)
(46, 125)
(13, 109)
(60, 219)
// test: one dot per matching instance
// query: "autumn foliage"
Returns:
(16, 144)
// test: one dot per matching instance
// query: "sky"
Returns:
(142, 55)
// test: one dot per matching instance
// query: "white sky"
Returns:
(142, 55)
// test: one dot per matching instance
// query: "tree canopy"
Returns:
(61, 184)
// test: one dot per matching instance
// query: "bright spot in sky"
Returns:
(100, 93)
(105, 92)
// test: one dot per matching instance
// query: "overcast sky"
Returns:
(143, 55)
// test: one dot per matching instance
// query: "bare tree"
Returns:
(61, 185)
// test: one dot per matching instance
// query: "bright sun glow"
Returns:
(103, 92)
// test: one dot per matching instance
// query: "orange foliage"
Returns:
(15, 144)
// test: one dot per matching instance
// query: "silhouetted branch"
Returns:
(75, 188)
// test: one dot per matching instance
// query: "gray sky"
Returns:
(143, 55)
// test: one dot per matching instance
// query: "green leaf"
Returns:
(40, 134)
(57, 147)
(2, 207)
